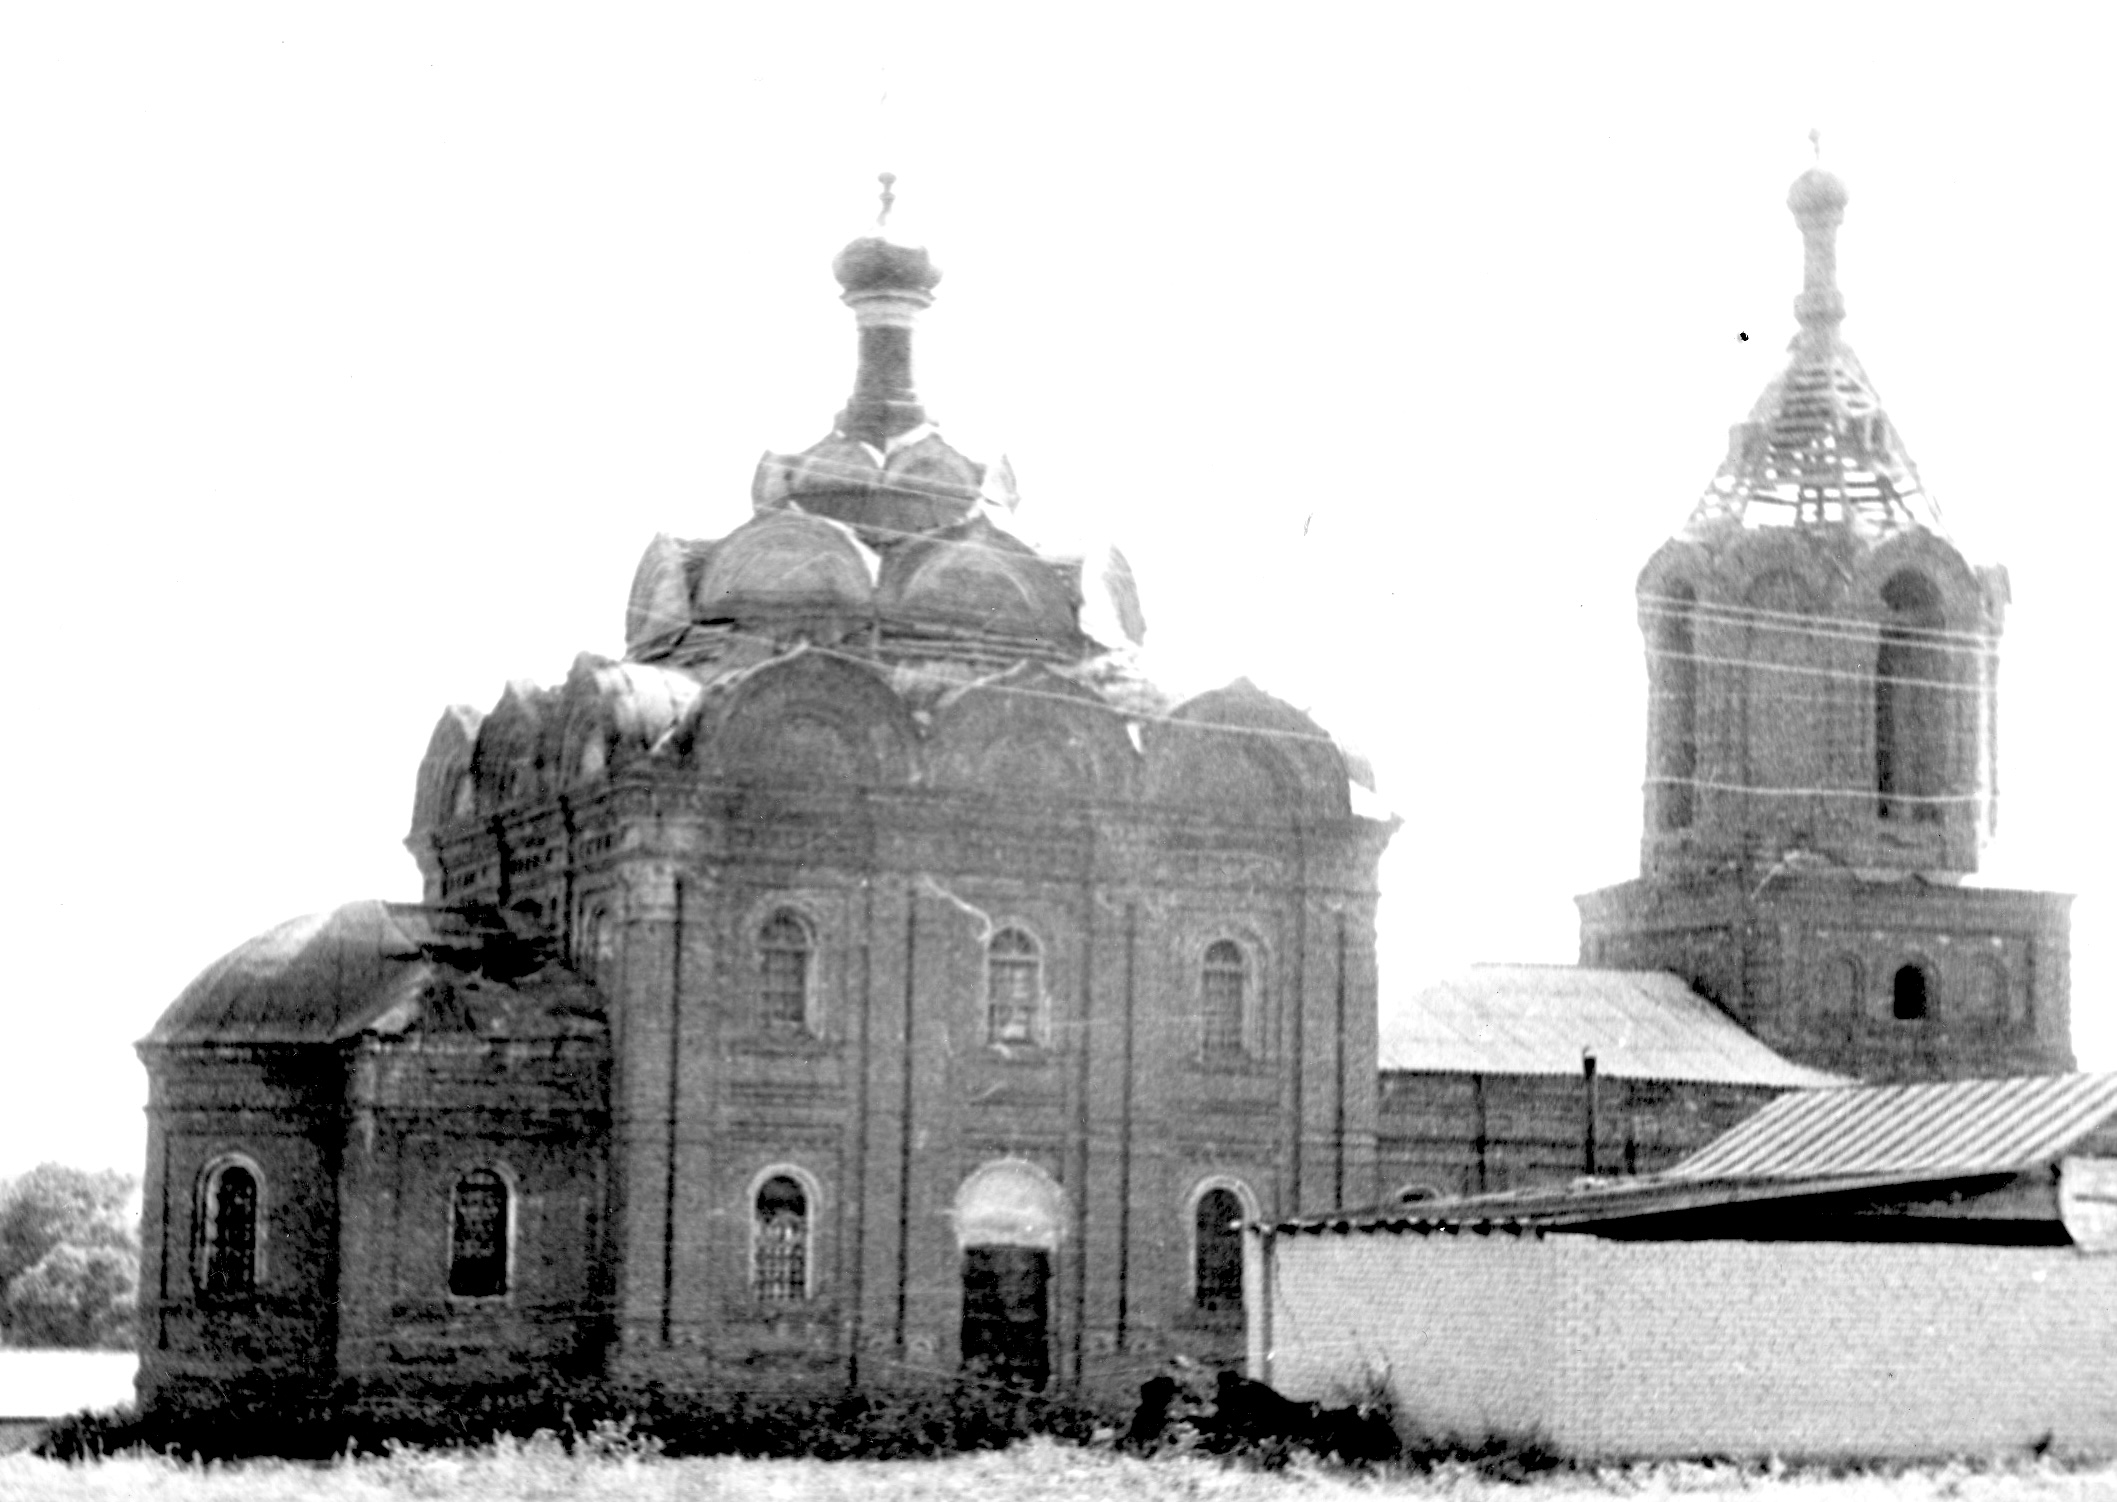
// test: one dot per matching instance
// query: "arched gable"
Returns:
(660, 602)
(1678, 565)
(1930, 557)
(507, 765)
(1780, 553)
(977, 576)
(807, 718)
(612, 712)
(1031, 731)
(444, 792)
(1239, 749)
(783, 565)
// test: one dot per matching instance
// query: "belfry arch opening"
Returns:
(1910, 994)
(1675, 679)
(1912, 679)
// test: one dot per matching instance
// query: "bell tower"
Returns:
(1821, 751)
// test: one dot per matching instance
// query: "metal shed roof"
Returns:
(1963, 1126)
(1537, 1019)
(1810, 1142)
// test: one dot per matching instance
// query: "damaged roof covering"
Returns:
(1538, 1019)
(381, 967)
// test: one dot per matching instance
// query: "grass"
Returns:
(1040, 1470)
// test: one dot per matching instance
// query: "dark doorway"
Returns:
(1007, 1313)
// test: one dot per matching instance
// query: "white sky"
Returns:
(349, 358)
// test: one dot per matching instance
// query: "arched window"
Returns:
(477, 1247)
(1013, 987)
(1224, 989)
(780, 1241)
(1675, 678)
(1911, 709)
(229, 1198)
(1785, 724)
(784, 950)
(1910, 996)
(1216, 1255)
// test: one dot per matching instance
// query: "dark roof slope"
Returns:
(381, 967)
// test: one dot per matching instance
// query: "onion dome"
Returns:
(884, 467)
(1817, 450)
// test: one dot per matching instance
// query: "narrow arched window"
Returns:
(1217, 1252)
(1911, 708)
(1224, 988)
(1013, 987)
(477, 1251)
(231, 1232)
(785, 949)
(1675, 679)
(1909, 993)
(781, 1241)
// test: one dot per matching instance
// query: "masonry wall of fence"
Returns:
(1603, 1348)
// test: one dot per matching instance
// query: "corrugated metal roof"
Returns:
(1869, 1138)
(1963, 1126)
(1536, 1019)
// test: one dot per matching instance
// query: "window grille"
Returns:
(1217, 1269)
(782, 1241)
(1013, 986)
(785, 947)
(231, 1226)
(477, 1262)
(1225, 987)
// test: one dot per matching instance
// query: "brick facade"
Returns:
(1448, 1134)
(871, 927)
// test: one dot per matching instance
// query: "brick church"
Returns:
(875, 973)
(871, 972)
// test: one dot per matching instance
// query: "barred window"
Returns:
(1217, 1252)
(782, 1241)
(1014, 986)
(1225, 991)
(231, 1233)
(784, 948)
(477, 1261)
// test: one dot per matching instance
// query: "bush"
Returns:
(293, 1421)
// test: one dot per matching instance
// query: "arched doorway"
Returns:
(1007, 1218)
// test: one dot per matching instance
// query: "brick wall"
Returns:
(1467, 1134)
(1690, 1348)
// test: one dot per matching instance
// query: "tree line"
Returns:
(69, 1258)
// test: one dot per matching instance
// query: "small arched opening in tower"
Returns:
(1910, 995)
(1676, 690)
(1912, 680)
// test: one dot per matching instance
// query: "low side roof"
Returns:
(1927, 1131)
(1537, 1019)
(1870, 1138)
(379, 967)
